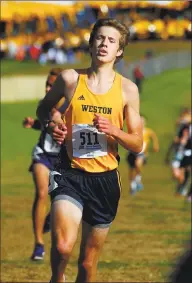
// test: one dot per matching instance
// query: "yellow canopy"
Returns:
(25, 9)
(8, 9)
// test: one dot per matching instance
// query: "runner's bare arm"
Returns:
(60, 88)
(133, 139)
(155, 141)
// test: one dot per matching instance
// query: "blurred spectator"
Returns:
(43, 58)
(138, 77)
(16, 28)
(60, 57)
(51, 24)
(34, 51)
(51, 54)
(20, 55)
(70, 56)
(3, 49)
(12, 49)
(47, 45)
(34, 23)
(60, 26)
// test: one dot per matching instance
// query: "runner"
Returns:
(137, 161)
(44, 159)
(90, 189)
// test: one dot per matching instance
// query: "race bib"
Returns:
(50, 145)
(88, 142)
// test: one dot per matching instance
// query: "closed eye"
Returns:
(111, 39)
(100, 37)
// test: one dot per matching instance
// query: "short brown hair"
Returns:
(55, 71)
(110, 22)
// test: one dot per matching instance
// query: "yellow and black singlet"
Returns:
(87, 148)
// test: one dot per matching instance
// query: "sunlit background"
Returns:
(38, 30)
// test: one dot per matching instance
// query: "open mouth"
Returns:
(102, 52)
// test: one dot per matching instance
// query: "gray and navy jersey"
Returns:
(47, 145)
(188, 145)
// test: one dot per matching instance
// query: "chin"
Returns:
(103, 59)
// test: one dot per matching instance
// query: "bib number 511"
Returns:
(89, 138)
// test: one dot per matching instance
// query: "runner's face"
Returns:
(105, 46)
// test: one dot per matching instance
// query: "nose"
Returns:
(105, 41)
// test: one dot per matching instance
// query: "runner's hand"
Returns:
(103, 125)
(156, 149)
(28, 122)
(57, 131)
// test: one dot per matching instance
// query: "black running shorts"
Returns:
(131, 158)
(186, 161)
(96, 194)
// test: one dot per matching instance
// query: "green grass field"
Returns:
(133, 52)
(151, 229)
